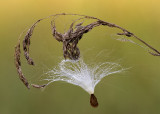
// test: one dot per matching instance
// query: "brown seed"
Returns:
(93, 101)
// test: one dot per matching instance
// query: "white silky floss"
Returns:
(81, 74)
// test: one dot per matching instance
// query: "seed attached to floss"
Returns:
(83, 75)
(93, 101)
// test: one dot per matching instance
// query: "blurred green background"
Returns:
(136, 91)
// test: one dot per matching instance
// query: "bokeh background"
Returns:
(136, 91)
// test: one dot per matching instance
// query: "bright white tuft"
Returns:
(78, 73)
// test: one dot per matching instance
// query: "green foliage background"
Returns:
(136, 91)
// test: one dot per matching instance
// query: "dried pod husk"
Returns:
(93, 101)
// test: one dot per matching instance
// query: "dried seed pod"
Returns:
(93, 101)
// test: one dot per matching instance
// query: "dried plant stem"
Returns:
(69, 39)
(18, 64)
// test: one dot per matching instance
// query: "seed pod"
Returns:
(93, 101)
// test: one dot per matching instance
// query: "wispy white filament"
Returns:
(81, 74)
